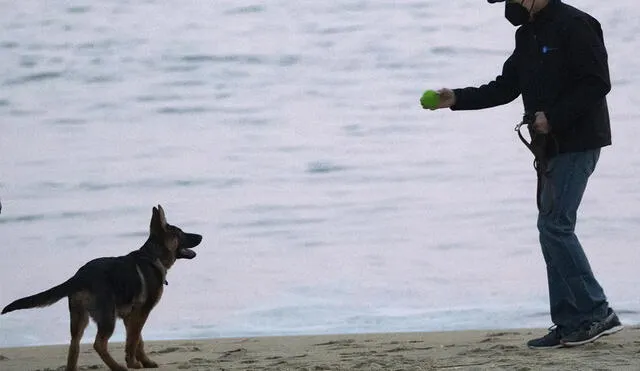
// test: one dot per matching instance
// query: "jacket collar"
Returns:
(547, 12)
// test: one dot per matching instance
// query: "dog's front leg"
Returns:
(134, 323)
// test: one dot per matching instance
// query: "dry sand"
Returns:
(465, 350)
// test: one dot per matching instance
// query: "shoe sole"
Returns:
(610, 331)
(549, 347)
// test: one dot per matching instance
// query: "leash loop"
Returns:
(539, 148)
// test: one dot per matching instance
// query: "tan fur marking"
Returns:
(102, 293)
(134, 352)
(101, 347)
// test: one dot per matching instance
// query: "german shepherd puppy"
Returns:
(126, 286)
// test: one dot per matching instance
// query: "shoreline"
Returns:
(455, 350)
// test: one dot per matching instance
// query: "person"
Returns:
(559, 66)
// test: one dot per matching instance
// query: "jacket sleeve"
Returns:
(589, 82)
(502, 90)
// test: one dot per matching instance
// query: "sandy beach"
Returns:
(464, 350)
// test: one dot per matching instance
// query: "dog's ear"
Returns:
(163, 218)
(158, 221)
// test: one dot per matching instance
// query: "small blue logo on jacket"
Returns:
(546, 49)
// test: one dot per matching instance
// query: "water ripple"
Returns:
(68, 121)
(450, 51)
(182, 110)
(37, 217)
(35, 77)
(8, 45)
(78, 9)
(159, 98)
(243, 59)
(160, 183)
(186, 83)
(323, 167)
(274, 222)
(246, 9)
(339, 30)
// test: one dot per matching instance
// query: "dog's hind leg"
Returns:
(134, 349)
(105, 318)
(142, 356)
(79, 321)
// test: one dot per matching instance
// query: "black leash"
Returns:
(539, 146)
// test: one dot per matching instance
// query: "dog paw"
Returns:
(134, 364)
(147, 363)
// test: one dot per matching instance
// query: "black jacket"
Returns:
(560, 67)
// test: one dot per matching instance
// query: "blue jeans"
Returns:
(575, 296)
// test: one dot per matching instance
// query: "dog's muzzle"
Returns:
(188, 241)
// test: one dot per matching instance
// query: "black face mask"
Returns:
(516, 13)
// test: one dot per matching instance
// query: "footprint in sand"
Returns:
(233, 354)
(369, 365)
(341, 344)
(62, 368)
(175, 349)
(357, 354)
(500, 334)
(337, 342)
(408, 349)
(200, 361)
(280, 364)
(505, 347)
(495, 336)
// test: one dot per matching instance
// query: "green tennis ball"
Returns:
(430, 99)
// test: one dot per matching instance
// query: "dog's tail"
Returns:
(44, 298)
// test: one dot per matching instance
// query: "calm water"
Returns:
(289, 134)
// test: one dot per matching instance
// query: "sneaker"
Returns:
(586, 334)
(549, 341)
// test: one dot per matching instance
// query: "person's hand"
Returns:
(447, 98)
(541, 125)
(433, 100)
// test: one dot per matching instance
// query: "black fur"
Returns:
(127, 286)
(116, 276)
